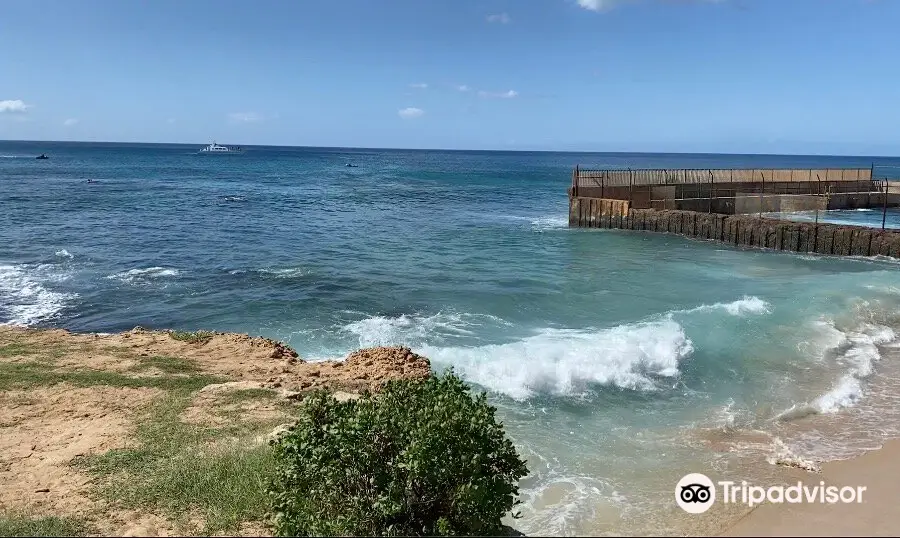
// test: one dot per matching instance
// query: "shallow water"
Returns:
(619, 361)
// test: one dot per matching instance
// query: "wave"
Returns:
(748, 304)
(290, 272)
(24, 297)
(63, 253)
(858, 350)
(562, 362)
(565, 362)
(143, 276)
(418, 330)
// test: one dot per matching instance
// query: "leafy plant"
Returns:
(195, 337)
(418, 458)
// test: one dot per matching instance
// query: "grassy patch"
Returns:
(23, 375)
(194, 337)
(18, 350)
(247, 395)
(169, 365)
(21, 525)
(181, 470)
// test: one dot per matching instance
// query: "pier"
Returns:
(729, 206)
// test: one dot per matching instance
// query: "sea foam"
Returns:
(25, 298)
(858, 351)
(142, 276)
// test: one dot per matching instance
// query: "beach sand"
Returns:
(878, 471)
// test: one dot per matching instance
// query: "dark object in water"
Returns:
(351, 165)
(92, 181)
(42, 156)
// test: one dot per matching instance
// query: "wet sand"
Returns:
(878, 470)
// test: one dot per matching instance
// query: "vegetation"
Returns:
(22, 525)
(184, 470)
(195, 337)
(169, 365)
(23, 375)
(419, 458)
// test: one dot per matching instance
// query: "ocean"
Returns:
(618, 361)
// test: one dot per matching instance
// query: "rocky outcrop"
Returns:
(366, 369)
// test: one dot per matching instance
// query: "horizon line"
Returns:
(462, 150)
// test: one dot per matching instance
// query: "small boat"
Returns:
(42, 157)
(352, 165)
(216, 149)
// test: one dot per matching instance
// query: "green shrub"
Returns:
(418, 458)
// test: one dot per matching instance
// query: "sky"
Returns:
(729, 76)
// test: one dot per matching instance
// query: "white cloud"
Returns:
(604, 5)
(411, 112)
(244, 117)
(13, 106)
(595, 5)
(70, 122)
(463, 88)
(499, 95)
(420, 85)
(501, 18)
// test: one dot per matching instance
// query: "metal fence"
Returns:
(621, 178)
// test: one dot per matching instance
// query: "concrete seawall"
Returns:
(740, 230)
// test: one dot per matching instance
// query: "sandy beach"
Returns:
(878, 471)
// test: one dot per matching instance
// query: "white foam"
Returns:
(139, 276)
(748, 304)
(550, 222)
(417, 330)
(24, 298)
(860, 354)
(63, 253)
(290, 272)
(565, 361)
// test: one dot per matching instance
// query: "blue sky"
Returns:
(746, 76)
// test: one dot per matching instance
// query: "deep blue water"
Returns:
(607, 352)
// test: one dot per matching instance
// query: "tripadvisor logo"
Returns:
(695, 493)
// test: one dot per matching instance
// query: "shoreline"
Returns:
(876, 470)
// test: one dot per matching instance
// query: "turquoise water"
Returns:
(619, 361)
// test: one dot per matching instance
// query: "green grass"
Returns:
(18, 350)
(169, 365)
(180, 470)
(24, 375)
(22, 525)
(195, 337)
(247, 395)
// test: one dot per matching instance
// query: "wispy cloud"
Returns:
(604, 5)
(70, 122)
(463, 88)
(419, 85)
(14, 106)
(596, 5)
(498, 95)
(244, 117)
(501, 18)
(412, 112)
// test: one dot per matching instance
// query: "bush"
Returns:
(418, 458)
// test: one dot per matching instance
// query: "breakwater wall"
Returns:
(739, 230)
